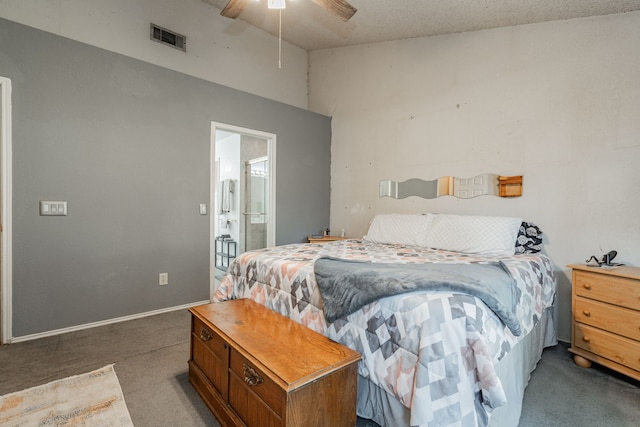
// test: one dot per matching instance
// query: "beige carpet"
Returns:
(93, 399)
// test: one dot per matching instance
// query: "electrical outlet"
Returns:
(163, 279)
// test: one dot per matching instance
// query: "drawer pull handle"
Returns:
(587, 286)
(251, 377)
(586, 313)
(205, 335)
(586, 339)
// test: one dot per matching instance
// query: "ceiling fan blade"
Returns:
(340, 8)
(234, 8)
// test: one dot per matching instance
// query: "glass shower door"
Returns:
(256, 197)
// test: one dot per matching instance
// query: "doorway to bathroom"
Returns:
(242, 194)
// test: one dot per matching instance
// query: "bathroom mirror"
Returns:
(463, 188)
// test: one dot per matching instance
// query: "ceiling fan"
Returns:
(341, 8)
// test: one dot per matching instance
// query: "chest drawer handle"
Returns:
(586, 313)
(587, 286)
(251, 377)
(586, 339)
(205, 335)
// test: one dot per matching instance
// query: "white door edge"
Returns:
(6, 285)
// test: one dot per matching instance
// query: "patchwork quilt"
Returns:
(435, 351)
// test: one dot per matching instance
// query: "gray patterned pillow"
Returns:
(529, 240)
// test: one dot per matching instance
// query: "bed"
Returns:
(431, 357)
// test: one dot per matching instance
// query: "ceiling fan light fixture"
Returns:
(276, 4)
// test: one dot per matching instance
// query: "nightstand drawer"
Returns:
(615, 319)
(613, 347)
(615, 290)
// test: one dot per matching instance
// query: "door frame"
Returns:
(271, 212)
(6, 285)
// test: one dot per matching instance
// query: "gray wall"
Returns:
(126, 144)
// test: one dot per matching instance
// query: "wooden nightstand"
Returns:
(606, 318)
(325, 239)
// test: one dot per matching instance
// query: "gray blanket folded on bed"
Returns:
(346, 285)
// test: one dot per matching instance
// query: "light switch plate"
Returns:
(53, 208)
(163, 279)
(203, 209)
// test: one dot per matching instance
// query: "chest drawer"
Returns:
(209, 339)
(211, 353)
(612, 289)
(253, 380)
(612, 318)
(613, 347)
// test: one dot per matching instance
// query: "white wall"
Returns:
(556, 102)
(221, 50)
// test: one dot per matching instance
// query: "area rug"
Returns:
(88, 400)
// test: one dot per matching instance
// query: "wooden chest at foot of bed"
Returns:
(606, 318)
(255, 367)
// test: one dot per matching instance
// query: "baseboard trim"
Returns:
(103, 322)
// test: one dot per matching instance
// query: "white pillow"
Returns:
(398, 228)
(486, 235)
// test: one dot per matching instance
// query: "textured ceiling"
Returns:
(310, 27)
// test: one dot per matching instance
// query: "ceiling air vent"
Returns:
(168, 37)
